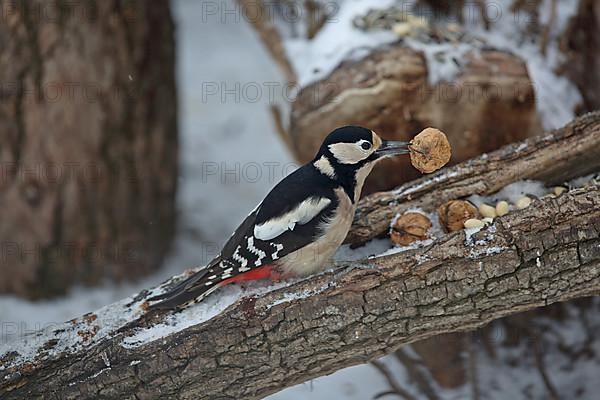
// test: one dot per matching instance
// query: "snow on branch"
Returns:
(248, 344)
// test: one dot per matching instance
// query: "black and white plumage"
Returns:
(300, 224)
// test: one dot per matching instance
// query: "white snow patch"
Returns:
(443, 59)
(422, 258)
(370, 249)
(512, 193)
(486, 251)
(214, 305)
(69, 336)
(100, 372)
(338, 40)
(410, 188)
(105, 359)
(204, 311)
(287, 297)
(593, 178)
(399, 249)
(469, 232)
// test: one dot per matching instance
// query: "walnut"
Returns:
(409, 228)
(454, 213)
(430, 150)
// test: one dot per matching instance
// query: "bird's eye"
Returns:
(366, 145)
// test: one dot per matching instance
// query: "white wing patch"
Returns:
(301, 214)
(259, 253)
(278, 248)
(236, 256)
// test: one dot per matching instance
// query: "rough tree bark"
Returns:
(88, 141)
(545, 253)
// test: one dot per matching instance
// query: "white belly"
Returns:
(316, 256)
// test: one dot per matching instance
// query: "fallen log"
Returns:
(261, 343)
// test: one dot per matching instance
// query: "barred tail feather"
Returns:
(190, 290)
(181, 299)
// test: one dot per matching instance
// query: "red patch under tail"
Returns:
(264, 272)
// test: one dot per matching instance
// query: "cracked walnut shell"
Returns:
(409, 228)
(454, 213)
(429, 150)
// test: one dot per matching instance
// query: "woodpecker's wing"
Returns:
(288, 219)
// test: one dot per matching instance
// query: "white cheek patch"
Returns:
(301, 215)
(348, 153)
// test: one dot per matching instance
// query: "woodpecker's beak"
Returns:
(392, 148)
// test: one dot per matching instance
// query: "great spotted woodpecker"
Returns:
(301, 223)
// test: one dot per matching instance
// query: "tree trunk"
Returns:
(260, 344)
(88, 142)
(581, 42)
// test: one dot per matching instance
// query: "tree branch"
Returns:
(560, 155)
(263, 343)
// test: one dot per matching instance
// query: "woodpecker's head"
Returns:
(351, 152)
(354, 147)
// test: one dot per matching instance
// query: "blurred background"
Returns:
(136, 135)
